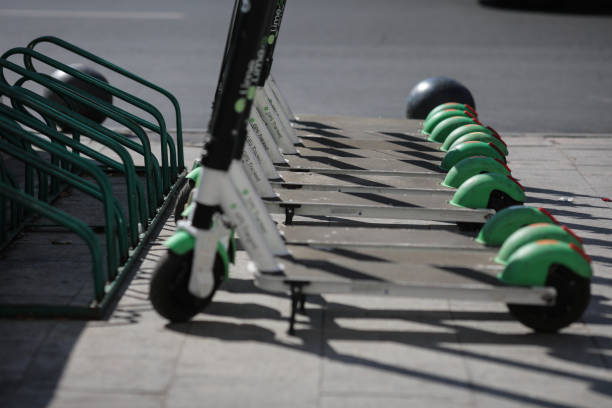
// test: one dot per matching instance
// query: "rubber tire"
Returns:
(498, 200)
(573, 296)
(181, 200)
(169, 291)
(231, 251)
(469, 226)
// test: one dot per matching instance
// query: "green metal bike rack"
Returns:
(101, 179)
(94, 58)
(151, 167)
(10, 213)
(73, 224)
(49, 161)
(167, 145)
(132, 122)
(127, 167)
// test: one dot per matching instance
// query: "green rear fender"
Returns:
(481, 191)
(433, 121)
(529, 265)
(472, 166)
(468, 149)
(195, 175)
(451, 105)
(532, 233)
(464, 130)
(505, 222)
(444, 128)
(188, 209)
(478, 137)
(181, 242)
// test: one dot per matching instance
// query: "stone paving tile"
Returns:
(19, 343)
(111, 361)
(348, 351)
(522, 140)
(538, 154)
(592, 156)
(33, 283)
(63, 398)
(219, 391)
(95, 399)
(516, 165)
(377, 346)
(508, 363)
(245, 331)
(353, 400)
(393, 364)
(598, 177)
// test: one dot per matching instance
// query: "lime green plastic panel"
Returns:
(444, 128)
(468, 149)
(432, 122)
(188, 209)
(462, 131)
(530, 264)
(451, 105)
(479, 137)
(505, 222)
(472, 166)
(476, 191)
(194, 174)
(532, 233)
(181, 242)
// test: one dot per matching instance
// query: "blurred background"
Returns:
(531, 66)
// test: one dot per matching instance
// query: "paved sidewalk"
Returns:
(348, 350)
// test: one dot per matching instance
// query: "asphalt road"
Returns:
(529, 70)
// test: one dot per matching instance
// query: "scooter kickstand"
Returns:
(302, 304)
(298, 298)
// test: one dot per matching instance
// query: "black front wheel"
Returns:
(169, 291)
(573, 296)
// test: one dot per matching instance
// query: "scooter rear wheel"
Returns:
(573, 295)
(169, 291)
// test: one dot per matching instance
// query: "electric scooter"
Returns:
(429, 200)
(550, 294)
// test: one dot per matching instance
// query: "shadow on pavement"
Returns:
(317, 329)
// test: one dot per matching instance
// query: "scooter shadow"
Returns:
(319, 327)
